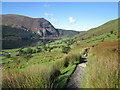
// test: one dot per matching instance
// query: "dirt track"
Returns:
(76, 77)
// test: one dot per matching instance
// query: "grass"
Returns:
(102, 70)
(103, 29)
(32, 77)
(37, 58)
(38, 70)
(39, 75)
(70, 61)
(97, 39)
(52, 69)
(65, 74)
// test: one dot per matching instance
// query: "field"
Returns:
(50, 66)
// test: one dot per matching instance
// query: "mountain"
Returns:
(109, 27)
(68, 33)
(39, 26)
(12, 33)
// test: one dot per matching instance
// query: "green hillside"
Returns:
(102, 68)
(68, 33)
(109, 27)
(12, 33)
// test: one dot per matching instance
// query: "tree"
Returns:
(66, 50)
(102, 40)
(111, 32)
(34, 51)
(21, 52)
(39, 50)
(27, 56)
(45, 47)
(49, 49)
(71, 42)
(29, 51)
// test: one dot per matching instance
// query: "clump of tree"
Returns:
(103, 40)
(111, 32)
(50, 48)
(39, 50)
(29, 51)
(21, 52)
(27, 54)
(108, 35)
(66, 49)
(70, 42)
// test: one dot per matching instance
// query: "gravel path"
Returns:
(75, 79)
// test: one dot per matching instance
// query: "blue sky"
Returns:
(66, 15)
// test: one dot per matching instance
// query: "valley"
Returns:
(50, 64)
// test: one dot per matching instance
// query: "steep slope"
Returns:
(39, 26)
(11, 33)
(68, 33)
(109, 27)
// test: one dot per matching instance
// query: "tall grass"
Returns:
(73, 57)
(33, 77)
(39, 75)
(102, 70)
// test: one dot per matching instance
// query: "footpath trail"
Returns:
(76, 77)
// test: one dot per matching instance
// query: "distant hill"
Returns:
(109, 27)
(40, 26)
(16, 27)
(68, 33)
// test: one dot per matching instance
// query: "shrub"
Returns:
(21, 52)
(34, 51)
(49, 49)
(66, 63)
(39, 50)
(29, 51)
(27, 56)
(66, 50)
(111, 32)
(108, 35)
(45, 48)
(72, 58)
(102, 40)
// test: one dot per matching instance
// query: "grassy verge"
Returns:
(63, 77)
(102, 70)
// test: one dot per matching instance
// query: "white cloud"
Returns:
(46, 5)
(48, 14)
(71, 20)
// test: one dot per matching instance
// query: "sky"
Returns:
(79, 16)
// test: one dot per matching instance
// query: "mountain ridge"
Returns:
(36, 25)
(12, 23)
